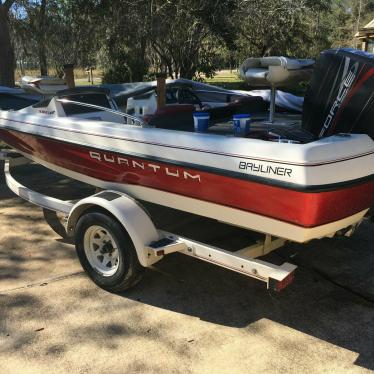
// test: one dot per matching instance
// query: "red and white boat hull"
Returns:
(310, 191)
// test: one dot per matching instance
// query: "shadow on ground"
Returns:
(332, 298)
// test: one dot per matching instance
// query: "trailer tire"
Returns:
(106, 252)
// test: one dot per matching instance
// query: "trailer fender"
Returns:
(132, 216)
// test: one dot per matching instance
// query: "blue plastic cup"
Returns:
(242, 124)
(201, 121)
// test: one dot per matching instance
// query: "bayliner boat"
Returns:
(300, 179)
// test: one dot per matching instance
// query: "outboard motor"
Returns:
(340, 97)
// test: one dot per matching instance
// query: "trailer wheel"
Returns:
(106, 252)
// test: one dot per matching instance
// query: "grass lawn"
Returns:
(85, 82)
(227, 79)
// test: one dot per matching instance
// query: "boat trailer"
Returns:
(149, 243)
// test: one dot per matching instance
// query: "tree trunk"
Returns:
(42, 37)
(139, 65)
(6, 51)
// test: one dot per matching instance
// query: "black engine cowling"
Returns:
(340, 97)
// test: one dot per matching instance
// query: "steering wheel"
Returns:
(186, 96)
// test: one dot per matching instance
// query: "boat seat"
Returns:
(275, 72)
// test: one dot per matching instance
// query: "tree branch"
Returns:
(7, 4)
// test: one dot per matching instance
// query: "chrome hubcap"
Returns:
(101, 250)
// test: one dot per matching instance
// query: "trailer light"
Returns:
(281, 285)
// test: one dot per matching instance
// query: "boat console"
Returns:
(92, 103)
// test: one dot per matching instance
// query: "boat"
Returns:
(43, 85)
(297, 177)
(185, 91)
(15, 98)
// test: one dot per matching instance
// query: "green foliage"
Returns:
(282, 27)
(121, 65)
(132, 40)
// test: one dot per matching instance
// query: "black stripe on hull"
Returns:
(218, 171)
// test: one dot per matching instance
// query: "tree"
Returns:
(7, 62)
(52, 33)
(124, 53)
(187, 36)
(131, 40)
(182, 38)
(42, 38)
(282, 27)
(29, 24)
